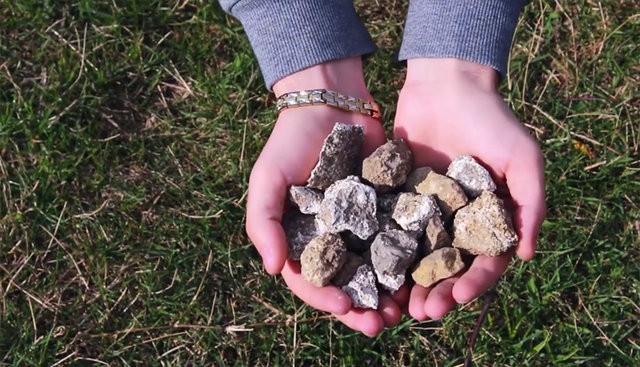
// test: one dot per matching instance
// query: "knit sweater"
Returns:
(290, 35)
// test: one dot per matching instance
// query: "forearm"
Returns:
(288, 36)
(479, 31)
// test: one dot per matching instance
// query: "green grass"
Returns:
(127, 134)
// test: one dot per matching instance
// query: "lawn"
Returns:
(128, 129)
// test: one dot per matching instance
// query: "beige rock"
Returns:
(484, 227)
(449, 195)
(322, 258)
(440, 264)
(436, 235)
(388, 166)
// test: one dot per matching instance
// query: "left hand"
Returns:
(450, 107)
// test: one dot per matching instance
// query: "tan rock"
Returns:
(449, 195)
(436, 235)
(484, 227)
(388, 166)
(322, 258)
(440, 264)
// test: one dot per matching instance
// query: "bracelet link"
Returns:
(329, 98)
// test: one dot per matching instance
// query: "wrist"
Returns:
(344, 76)
(448, 71)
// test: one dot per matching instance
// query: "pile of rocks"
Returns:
(365, 233)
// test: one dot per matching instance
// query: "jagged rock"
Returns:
(307, 200)
(436, 235)
(440, 264)
(449, 195)
(362, 288)
(348, 205)
(388, 166)
(412, 211)
(338, 156)
(483, 227)
(322, 258)
(348, 270)
(473, 178)
(299, 229)
(392, 253)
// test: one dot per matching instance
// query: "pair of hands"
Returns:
(447, 107)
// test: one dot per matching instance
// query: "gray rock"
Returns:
(449, 195)
(473, 178)
(436, 235)
(348, 270)
(484, 227)
(339, 155)
(392, 253)
(388, 166)
(440, 264)
(306, 199)
(322, 258)
(412, 211)
(362, 288)
(299, 229)
(348, 205)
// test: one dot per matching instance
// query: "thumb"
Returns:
(265, 201)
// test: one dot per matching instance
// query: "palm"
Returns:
(287, 159)
(440, 125)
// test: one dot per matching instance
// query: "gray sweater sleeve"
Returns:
(289, 35)
(475, 30)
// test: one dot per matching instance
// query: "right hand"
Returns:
(287, 159)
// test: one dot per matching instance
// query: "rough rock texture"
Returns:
(338, 156)
(388, 166)
(436, 235)
(449, 195)
(392, 253)
(348, 205)
(362, 288)
(473, 178)
(440, 264)
(306, 199)
(322, 258)
(299, 229)
(348, 270)
(484, 227)
(412, 211)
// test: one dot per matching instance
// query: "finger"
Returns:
(389, 311)
(368, 322)
(483, 274)
(328, 298)
(525, 179)
(265, 200)
(417, 299)
(440, 299)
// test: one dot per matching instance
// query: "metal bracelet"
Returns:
(329, 98)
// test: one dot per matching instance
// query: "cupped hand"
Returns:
(287, 159)
(450, 107)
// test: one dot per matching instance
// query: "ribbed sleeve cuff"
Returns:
(474, 30)
(288, 35)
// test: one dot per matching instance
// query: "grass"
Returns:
(127, 134)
